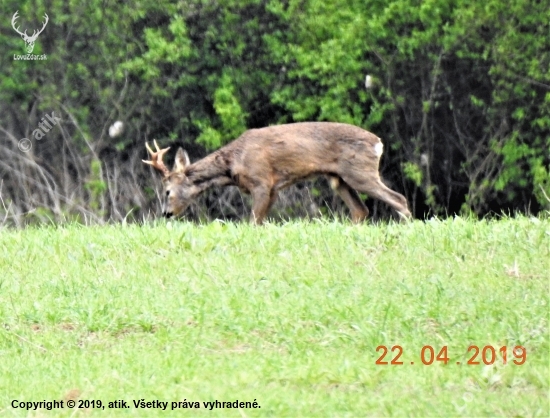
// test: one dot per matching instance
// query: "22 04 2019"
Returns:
(487, 355)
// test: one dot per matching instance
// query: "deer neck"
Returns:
(212, 170)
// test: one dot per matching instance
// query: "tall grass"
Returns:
(288, 315)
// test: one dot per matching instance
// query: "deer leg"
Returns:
(350, 197)
(263, 200)
(371, 184)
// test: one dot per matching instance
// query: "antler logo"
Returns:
(29, 40)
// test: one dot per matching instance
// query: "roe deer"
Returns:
(263, 161)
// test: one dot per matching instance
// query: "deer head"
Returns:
(29, 40)
(179, 191)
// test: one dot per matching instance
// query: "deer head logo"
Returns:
(29, 40)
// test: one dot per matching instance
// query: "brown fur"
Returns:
(263, 161)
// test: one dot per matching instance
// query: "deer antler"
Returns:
(24, 34)
(156, 158)
(34, 36)
(13, 19)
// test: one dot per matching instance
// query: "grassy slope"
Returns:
(289, 315)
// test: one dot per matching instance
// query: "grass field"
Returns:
(288, 315)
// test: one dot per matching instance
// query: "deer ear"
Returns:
(182, 160)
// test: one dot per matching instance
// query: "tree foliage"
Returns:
(460, 93)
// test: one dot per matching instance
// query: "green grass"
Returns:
(288, 315)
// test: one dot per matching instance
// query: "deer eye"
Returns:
(167, 193)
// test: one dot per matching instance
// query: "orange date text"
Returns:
(428, 355)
